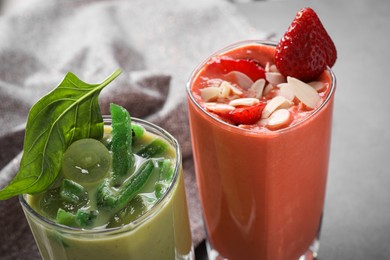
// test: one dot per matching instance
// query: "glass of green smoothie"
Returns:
(151, 226)
(100, 187)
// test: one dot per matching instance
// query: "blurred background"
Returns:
(150, 40)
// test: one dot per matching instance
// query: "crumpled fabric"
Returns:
(157, 44)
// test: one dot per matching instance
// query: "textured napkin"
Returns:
(156, 43)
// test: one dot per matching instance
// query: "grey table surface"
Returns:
(357, 211)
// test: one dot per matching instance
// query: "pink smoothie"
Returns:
(262, 191)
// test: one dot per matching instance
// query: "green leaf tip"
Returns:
(69, 112)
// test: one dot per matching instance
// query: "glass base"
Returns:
(311, 253)
(212, 253)
(189, 256)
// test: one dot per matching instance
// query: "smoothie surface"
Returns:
(51, 201)
(228, 84)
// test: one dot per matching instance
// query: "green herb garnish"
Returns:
(69, 113)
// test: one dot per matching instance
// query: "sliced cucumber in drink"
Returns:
(86, 161)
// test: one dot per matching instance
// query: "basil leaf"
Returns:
(68, 113)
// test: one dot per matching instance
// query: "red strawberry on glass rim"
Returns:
(246, 115)
(225, 65)
(306, 49)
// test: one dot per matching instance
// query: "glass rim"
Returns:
(234, 128)
(133, 225)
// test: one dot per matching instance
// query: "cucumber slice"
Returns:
(86, 161)
(50, 202)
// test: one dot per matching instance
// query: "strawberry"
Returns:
(246, 115)
(225, 65)
(306, 48)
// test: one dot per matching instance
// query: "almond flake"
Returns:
(279, 119)
(247, 102)
(275, 78)
(209, 93)
(266, 68)
(235, 90)
(317, 85)
(240, 78)
(258, 88)
(218, 108)
(270, 68)
(267, 89)
(275, 103)
(282, 84)
(214, 82)
(304, 92)
(286, 91)
(225, 89)
(273, 68)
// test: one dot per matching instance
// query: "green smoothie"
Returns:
(100, 188)
(151, 226)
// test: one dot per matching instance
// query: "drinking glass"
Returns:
(163, 232)
(262, 193)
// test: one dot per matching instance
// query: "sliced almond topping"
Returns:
(286, 91)
(266, 68)
(214, 82)
(225, 89)
(267, 89)
(275, 78)
(218, 108)
(209, 93)
(263, 122)
(280, 118)
(247, 102)
(304, 92)
(257, 88)
(282, 84)
(273, 68)
(275, 103)
(240, 78)
(235, 90)
(317, 85)
(270, 68)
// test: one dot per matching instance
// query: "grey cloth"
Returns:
(156, 43)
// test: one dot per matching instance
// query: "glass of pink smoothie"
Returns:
(262, 188)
